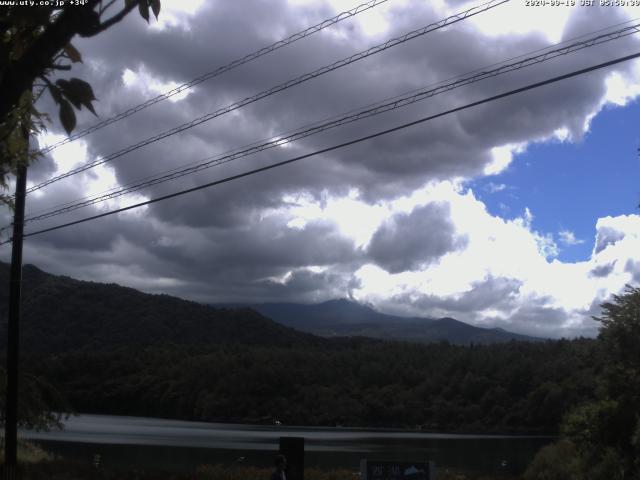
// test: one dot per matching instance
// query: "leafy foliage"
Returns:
(506, 388)
(36, 45)
(605, 432)
(555, 462)
(40, 406)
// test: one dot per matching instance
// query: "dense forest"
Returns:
(516, 387)
(97, 348)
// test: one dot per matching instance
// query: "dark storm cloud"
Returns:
(96, 236)
(452, 146)
(218, 243)
(411, 241)
(602, 270)
(633, 268)
(44, 167)
(491, 292)
(536, 316)
(265, 243)
(539, 319)
(308, 286)
(606, 236)
(255, 261)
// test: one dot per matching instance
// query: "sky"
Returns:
(520, 213)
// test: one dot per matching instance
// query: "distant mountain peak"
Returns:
(338, 302)
(346, 303)
(350, 318)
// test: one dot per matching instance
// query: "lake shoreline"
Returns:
(479, 433)
(141, 442)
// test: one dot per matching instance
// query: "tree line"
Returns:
(510, 388)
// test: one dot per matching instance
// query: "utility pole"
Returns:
(15, 290)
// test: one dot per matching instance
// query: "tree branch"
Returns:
(104, 8)
(115, 19)
(19, 75)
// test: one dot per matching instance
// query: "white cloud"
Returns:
(512, 251)
(623, 89)
(567, 237)
(220, 242)
(502, 157)
(66, 156)
(148, 86)
(516, 18)
(495, 187)
(373, 22)
(176, 13)
(352, 216)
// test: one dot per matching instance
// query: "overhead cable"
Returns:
(339, 146)
(278, 88)
(218, 71)
(570, 41)
(376, 109)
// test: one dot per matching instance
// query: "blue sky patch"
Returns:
(568, 186)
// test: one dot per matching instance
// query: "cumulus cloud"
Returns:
(504, 275)
(610, 231)
(495, 187)
(603, 270)
(410, 241)
(567, 237)
(386, 221)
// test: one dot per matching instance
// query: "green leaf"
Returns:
(78, 92)
(143, 7)
(67, 116)
(55, 93)
(68, 92)
(155, 6)
(72, 53)
(84, 90)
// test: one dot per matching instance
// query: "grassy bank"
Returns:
(37, 464)
(61, 469)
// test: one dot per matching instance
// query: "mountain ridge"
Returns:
(344, 317)
(61, 314)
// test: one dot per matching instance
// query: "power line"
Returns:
(218, 71)
(569, 42)
(376, 109)
(278, 88)
(341, 145)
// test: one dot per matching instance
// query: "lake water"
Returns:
(135, 442)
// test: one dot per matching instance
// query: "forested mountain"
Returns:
(60, 314)
(500, 388)
(110, 349)
(344, 317)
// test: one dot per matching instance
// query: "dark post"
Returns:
(15, 287)
(293, 449)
